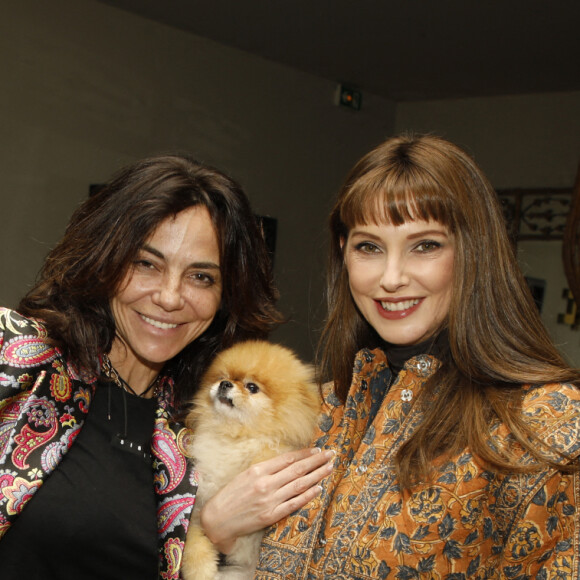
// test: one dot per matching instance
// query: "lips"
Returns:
(158, 323)
(395, 310)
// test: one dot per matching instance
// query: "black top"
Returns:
(95, 516)
(397, 355)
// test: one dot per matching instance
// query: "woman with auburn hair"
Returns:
(455, 420)
(151, 279)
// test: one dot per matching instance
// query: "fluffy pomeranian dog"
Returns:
(256, 400)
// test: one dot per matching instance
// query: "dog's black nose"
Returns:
(224, 387)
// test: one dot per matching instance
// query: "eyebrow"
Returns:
(161, 256)
(428, 233)
(413, 236)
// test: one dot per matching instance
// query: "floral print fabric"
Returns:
(469, 523)
(43, 404)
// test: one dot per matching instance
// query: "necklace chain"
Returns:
(111, 372)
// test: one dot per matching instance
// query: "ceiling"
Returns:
(405, 50)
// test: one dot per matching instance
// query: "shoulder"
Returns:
(553, 412)
(552, 401)
(23, 341)
(11, 322)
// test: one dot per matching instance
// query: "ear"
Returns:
(342, 241)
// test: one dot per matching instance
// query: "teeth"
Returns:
(396, 306)
(157, 324)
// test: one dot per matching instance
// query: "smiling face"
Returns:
(170, 295)
(401, 277)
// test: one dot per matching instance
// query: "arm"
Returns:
(264, 494)
(23, 351)
(544, 537)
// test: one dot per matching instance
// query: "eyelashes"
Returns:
(200, 277)
(367, 247)
(428, 246)
(423, 247)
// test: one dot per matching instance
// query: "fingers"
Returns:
(302, 475)
(302, 469)
(306, 459)
(292, 486)
(265, 493)
(298, 492)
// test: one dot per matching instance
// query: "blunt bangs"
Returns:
(396, 200)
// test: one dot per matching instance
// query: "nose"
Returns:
(169, 294)
(394, 275)
(224, 387)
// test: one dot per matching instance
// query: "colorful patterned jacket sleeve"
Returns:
(43, 404)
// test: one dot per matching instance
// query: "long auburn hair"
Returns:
(497, 341)
(86, 268)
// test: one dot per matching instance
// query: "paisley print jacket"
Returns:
(43, 405)
(469, 523)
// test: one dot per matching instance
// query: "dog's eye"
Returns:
(253, 388)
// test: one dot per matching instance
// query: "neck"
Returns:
(137, 375)
(398, 355)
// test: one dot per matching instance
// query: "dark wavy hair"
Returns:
(86, 268)
(496, 337)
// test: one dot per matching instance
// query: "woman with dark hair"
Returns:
(155, 274)
(455, 419)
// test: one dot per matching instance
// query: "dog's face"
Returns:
(258, 385)
(241, 399)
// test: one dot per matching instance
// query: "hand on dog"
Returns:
(263, 494)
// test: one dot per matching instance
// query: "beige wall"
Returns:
(519, 141)
(87, 88)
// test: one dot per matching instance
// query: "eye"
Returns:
(203, 278)
(143, 264)
(367, 248)
(427, 246)
(252, 388)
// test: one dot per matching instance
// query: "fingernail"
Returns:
(316, 450)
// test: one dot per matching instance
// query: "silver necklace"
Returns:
(111, 372)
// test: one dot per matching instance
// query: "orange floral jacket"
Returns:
(469, 523)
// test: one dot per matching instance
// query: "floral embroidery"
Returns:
(170, 459)
(173, 551)
(67, 420)
(27, 351)
(18, 493)
(525, 541)
(60, 387)
(174, 512)
(426, 506)
(471, 513)
(28, 440)
(83, 398)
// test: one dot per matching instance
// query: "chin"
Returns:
(405, 336)
(257, 400)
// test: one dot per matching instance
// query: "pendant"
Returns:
(121, 442)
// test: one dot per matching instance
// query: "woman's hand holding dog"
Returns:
(264, 494)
